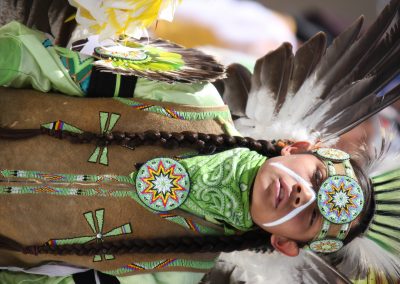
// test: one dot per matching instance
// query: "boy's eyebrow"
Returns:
(324, 170)
(322, 165)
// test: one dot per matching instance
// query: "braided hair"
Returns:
(205, 144)
(202, 142)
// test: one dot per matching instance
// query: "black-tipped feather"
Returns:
(361, 111)
(361, 51)
(236, 89)
(339, 46)
(305, 60)
(330, 92)
(273, 72)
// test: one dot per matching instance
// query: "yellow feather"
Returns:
(112, 18)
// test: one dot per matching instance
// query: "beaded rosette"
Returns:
(340, 200)
(162, 184)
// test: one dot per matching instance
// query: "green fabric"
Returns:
(25, 62)
(163, 278)
(9, 64)
(10, 277)
(196, 94)
(39, 67)
(220, 186)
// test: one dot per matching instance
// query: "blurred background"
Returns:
(256, 27)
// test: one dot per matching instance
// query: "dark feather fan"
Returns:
(159, 60)
(320, 93)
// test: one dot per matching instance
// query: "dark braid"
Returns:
(202, 142)
(257, 240)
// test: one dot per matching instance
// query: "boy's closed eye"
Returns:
(313, 217)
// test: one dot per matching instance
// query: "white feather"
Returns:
(297, 106)
(291, 122)
(364, 254)
(260, 106)
(272, 267)
(385, 152)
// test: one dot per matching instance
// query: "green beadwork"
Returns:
(54, 189)
(171, 113)
(107, 123)
(95, 222)
(56, 178)
(339, 198)
(161, 264)
(189, 224)
(142, 58)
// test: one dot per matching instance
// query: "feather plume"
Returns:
(165, 61)
(111, 18)
(321, 94)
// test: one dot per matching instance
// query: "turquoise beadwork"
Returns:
(340, 199)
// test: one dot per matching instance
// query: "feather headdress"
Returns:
(318, 94)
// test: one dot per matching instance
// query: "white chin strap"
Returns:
(296, 211)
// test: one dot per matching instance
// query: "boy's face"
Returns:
(276, 193)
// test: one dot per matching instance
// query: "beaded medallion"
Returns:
(340, 199)
(121, 52)
(332, 154)
(326, 245)
(162, 184)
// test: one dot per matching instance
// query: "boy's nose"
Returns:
(301, 194)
